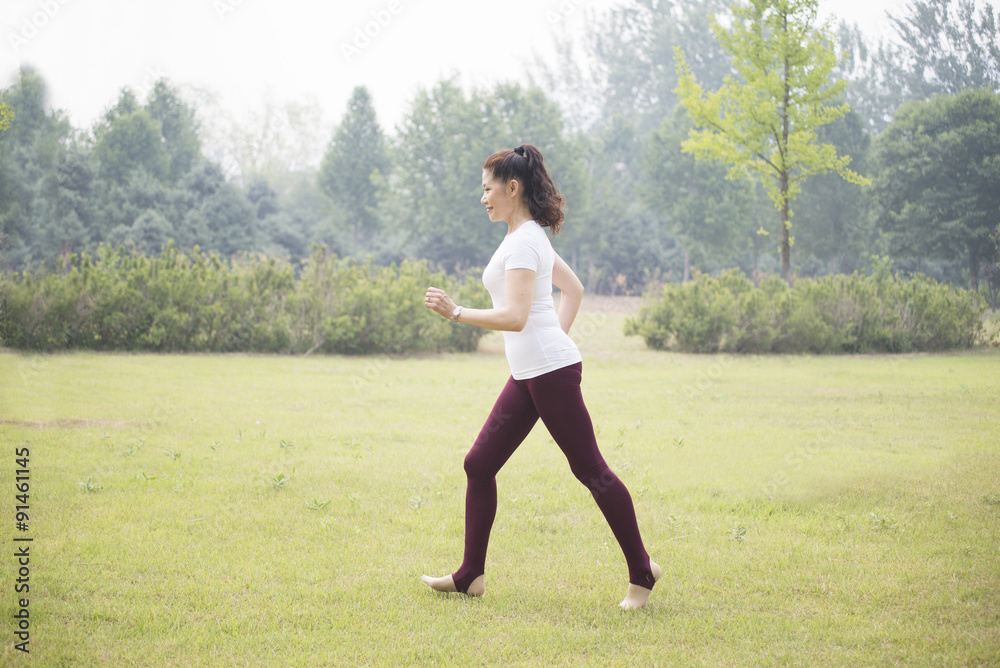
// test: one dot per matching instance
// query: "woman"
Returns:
(545, 367)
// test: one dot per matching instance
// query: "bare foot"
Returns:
(637, 596)
(447, 584)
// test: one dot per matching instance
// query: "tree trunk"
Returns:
(786, 246)
(687, 265)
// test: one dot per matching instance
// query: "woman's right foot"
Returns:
(638, 597)
(446, 583)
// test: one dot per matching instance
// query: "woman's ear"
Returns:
(513, 187)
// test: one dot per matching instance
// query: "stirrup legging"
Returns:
(557, 399)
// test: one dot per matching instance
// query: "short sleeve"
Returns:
(522, 254)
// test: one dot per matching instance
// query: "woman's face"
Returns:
(498, 198)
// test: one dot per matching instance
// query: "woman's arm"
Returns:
(566, 280)
(518, 292)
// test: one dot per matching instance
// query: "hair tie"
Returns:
(520, 151)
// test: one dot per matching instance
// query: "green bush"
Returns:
(835, 314)
(123, 300)
(346, 306)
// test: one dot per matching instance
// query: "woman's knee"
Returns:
(477, 465)
(597, 479)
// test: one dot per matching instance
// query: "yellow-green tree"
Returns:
(6, 116)
(763, 119)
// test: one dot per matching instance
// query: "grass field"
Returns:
(279, 511)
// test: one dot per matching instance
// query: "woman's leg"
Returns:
(559, 402)
(509, 423)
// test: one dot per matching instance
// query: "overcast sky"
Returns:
(246, 51)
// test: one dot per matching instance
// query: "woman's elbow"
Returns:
(575, 291)
(517, 321)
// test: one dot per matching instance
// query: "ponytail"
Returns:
(525, 164)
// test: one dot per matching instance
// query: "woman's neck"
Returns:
(517, 220)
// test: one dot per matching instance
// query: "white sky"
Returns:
(246, 51)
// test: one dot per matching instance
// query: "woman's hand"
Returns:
(439, 302)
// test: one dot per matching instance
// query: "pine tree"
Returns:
(350, 169)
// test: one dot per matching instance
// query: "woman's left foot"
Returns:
(638, 597)
(446, 583)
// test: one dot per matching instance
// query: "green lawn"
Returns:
(215, 510)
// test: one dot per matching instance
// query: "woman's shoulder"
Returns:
(534, 233)
(526, 242)
(525, 235)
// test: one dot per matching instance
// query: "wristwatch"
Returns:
(457, 312)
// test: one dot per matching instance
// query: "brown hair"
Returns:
(525, 164)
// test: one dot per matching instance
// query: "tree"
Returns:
(217, 215)
(276, 142)
(632, 48)
(178, 127)
(31, 150)
(765, 122)
(6, 116)
(66, 204)
(938, 178)
(608, 232)
(835, 225)
(121, 202)
(700, 206)
(356, 154)
(874, 89)
(150, 232)
(263, 198)
(937, 46)
(941, 50)
(131, 141)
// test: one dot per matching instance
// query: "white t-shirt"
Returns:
(542, 346)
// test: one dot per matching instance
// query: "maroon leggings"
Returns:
(556, 398)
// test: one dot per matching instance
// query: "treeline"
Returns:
(924, 126)
(120, 299)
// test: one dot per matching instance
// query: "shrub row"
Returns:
(835, 314)
(177, 302)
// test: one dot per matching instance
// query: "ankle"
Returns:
(446, 583)
(478, 586)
